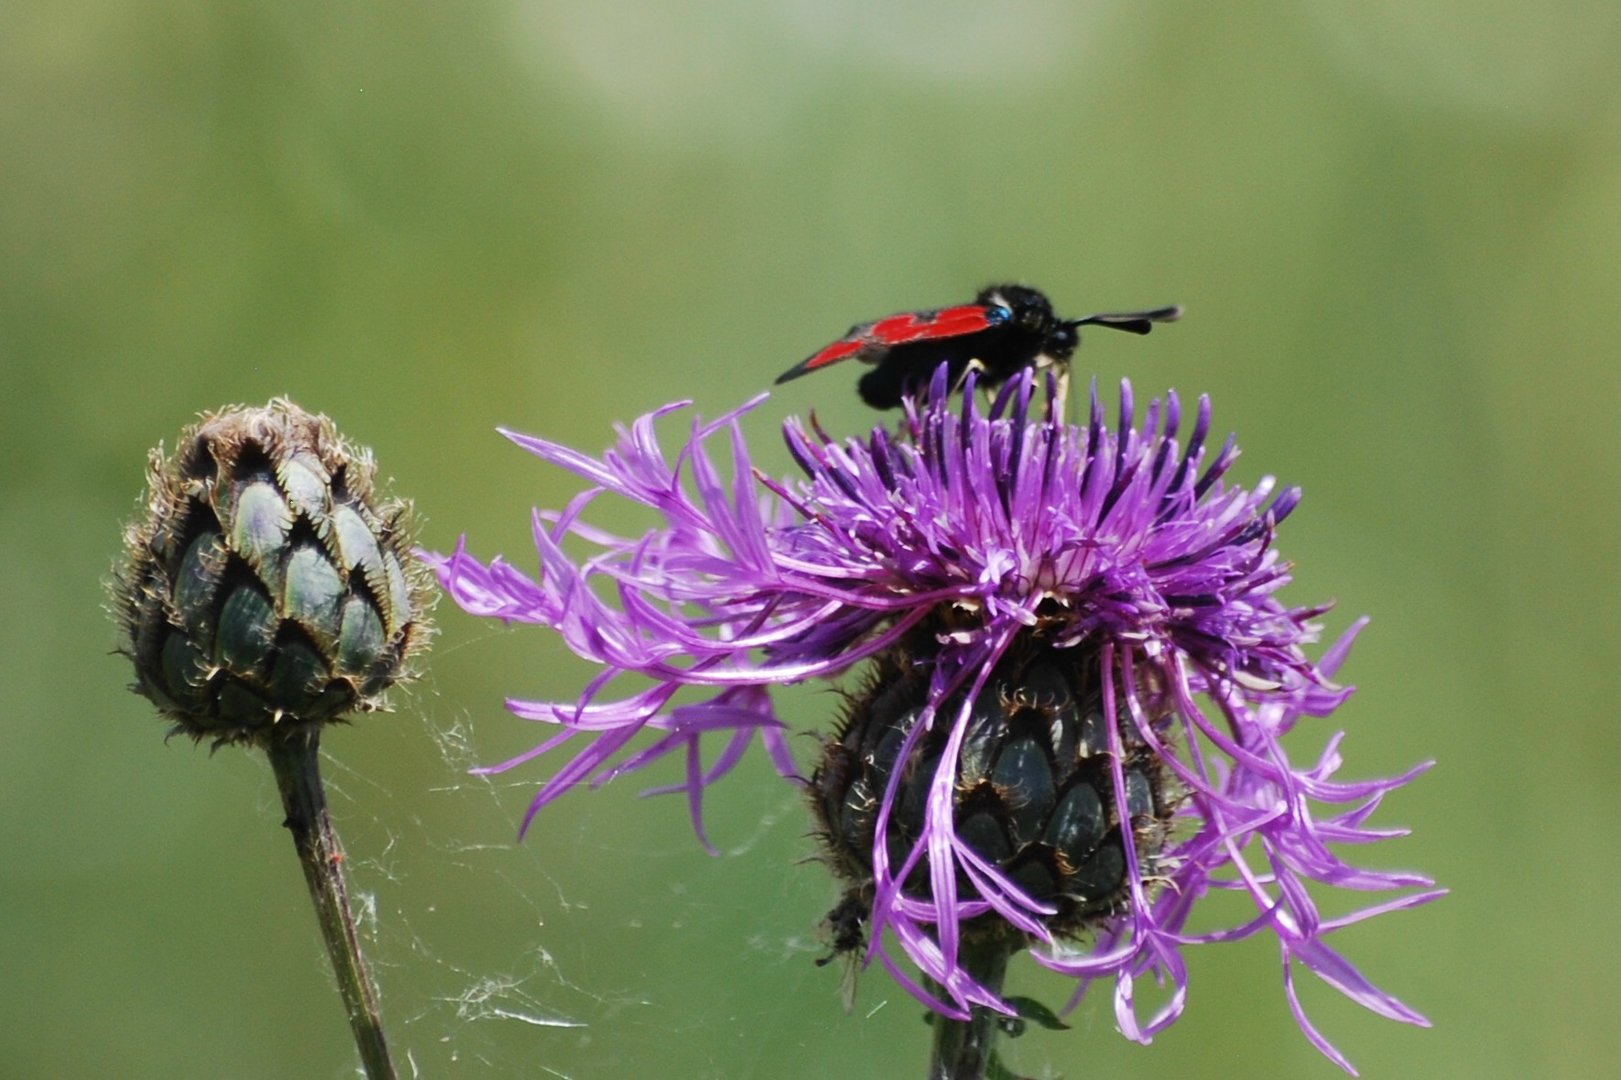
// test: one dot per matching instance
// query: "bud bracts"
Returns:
(267, 586)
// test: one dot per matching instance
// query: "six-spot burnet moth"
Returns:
(1006, 329)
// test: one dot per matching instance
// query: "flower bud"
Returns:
(267, 589)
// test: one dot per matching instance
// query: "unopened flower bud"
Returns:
(267, 588)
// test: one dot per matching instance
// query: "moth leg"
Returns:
(1061, 391)
(974, 364)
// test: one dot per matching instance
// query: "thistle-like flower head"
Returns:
(1078, 680)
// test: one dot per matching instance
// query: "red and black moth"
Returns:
(1005, 330)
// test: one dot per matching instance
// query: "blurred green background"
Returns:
(1396, 231)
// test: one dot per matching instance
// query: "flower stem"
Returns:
(298, 775)
(965, 1050)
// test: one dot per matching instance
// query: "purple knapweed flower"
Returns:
(1079, 681)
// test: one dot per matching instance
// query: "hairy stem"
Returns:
(298, 775)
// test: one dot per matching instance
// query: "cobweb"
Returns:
(606, 942)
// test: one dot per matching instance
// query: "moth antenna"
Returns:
(1132, 322)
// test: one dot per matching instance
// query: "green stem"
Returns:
(964, 1050)
(298, 775)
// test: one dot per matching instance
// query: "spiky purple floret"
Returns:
(1120, 539)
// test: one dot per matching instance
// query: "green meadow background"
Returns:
(1397, 233)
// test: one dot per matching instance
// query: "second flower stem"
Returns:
(965, 1050)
